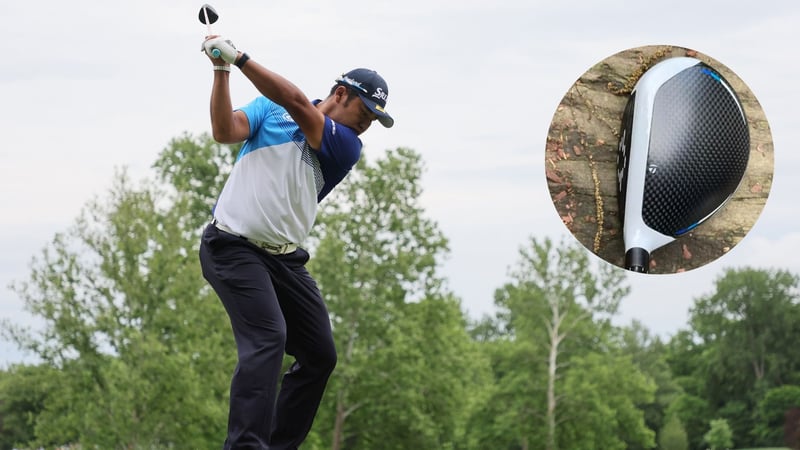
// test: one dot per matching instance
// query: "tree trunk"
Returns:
(551, 397)
(341, 397)
(552, 374)
(338, 425)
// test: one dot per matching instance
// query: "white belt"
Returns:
(274, 249)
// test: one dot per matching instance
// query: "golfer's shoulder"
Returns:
(259, 106)
(341, 141)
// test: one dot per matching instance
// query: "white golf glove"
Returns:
(226, 49)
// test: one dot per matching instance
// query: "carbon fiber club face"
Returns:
(699, 147)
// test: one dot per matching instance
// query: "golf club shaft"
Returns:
(215, 52)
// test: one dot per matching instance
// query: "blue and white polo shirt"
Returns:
(278, 179)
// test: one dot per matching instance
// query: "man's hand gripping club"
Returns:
(228, 52)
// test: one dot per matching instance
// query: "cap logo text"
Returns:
(356, 84)
(380, 94)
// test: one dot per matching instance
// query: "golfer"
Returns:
(295, 151)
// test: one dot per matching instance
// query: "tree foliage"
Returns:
(136, 337)
(672, 435)
(136, 350)
(751, 319)
(719, 435)
(740, 345)
(140, 350)
(649, 354)
(773, 410)
(557, 376)
(401, 335)
(23, 392)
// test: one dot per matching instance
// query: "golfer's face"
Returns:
(356, 115)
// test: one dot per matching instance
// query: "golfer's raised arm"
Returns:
(232, 126)
(283, 92)
(227, 126)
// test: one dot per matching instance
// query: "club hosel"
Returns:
(637, 259)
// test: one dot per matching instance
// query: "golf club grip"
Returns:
(637, 259)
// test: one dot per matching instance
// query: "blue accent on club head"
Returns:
(687, 229)
(711, 73)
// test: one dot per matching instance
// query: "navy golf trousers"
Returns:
(274, 307)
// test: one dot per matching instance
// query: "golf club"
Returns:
(683, 150)
(208, 16)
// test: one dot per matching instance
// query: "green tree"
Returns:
(196, 168)
(649, 354)
(685, 355)
(142, 348)
(719, 435)
(555, 319)
(672, 435)
(751, 318)
(693, 413)
(742, 343)
(602, 392)
(772, 411)
(138, 336)
(405, 359)
(23, 391)
(494, 418)
(420, 383)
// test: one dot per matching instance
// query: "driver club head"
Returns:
(683, 150)
(208, 11)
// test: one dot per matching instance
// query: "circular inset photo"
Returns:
(659, 159)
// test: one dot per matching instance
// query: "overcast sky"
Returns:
(88, 86)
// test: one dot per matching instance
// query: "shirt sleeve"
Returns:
(255, 112)
(339, 151)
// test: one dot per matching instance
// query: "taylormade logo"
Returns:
(380, 94)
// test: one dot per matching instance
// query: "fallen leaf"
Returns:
(691, 53)
(567, 219)
(756, 188)
(553, 176)
(559, 196)
(577, 150)
(686, 253)
(600, 142)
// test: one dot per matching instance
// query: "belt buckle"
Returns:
(275, 249)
